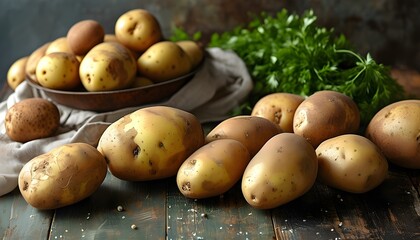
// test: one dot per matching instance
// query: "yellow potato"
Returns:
(31, 119)
(107, 66)
(351, 163)
(164, 61)
(17, 72)
(58, 45)
(395, 129)
(253, 132)
(284, 169)
(33, 60)
(138, 29)
(58, 70)
(194, 51)
(213, 169)
(63, 176)
(150, 143)
(279, 108)
(141, 82)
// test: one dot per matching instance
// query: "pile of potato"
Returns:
(86, 58)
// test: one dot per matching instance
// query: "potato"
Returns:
(141, 82)
(138, 29)
(395, 129)
(150, 143)
(284, 169)
(107, 66)
(213, 169)
(65, 175)
(58, 45)
(33, 60)
(253, 132)
(279, 108)
(84, 35)
(17, 72)
(326, 114)
(58, 70)
(32, 118)
(351, 163)
(164, 61)
(193, 50)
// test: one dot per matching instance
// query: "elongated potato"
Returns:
(284, 169)
(63, 176)
(251, 131)
(213, 169)
(150, 143)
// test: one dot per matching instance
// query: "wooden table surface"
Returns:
(159, 211)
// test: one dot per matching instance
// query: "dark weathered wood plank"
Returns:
(19, 220)
(223, 217)
(98, 218)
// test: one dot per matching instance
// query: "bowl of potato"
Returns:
(90, 70)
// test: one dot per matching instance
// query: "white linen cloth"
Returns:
(221, 84)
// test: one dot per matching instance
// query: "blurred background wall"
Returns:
(388, 29)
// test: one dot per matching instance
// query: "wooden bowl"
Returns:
(105, 101)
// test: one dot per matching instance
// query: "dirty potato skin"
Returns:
(395, 129)
(284, 169)
(251, 131)
(351, 163)
(326, 114)
(279, 108)
(150, 143)
(63, 176)
(213, 169)
(31, 119)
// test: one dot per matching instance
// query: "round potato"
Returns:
(84, 35)
(213, 169)
(164, 61)
(59, 45)
(351, 163)
(253, 132)
(63, 176)
(326, 114)
(150, 143)
(17, 72)
(58, 70)
(141, 82)
(107, 66)
(284, 169)
(32, 118)
(138, 29)
(395, 129)
(194, 51)
(33, 60)
(279, 108)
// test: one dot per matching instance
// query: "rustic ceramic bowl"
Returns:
(113, 100)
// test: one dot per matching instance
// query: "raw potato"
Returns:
(138, 29)
(284, 169)
(58, 45)
(193, 50)
(351, 163)
(326, 114)
(107, 66)
(141, 82)
(395, 129)
(213, 169)
(65, 175)
(84, 35)
(58, 70)
(150, 143)
(253, 132)
(164, 61)
(33, 61)
(279, 108)
(31, 119)
(17, 72)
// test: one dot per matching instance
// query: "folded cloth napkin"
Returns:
(221, 84)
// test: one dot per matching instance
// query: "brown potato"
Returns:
(326, 114)
(395, 129)
(253, 132)
(32, 118)
(279, 108)
(84, 35)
